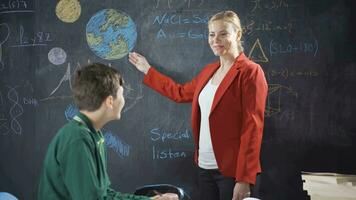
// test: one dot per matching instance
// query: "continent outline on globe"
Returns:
(111, 34)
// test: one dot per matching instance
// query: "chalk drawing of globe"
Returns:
(111, 34)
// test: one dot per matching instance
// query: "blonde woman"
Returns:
(228, 103)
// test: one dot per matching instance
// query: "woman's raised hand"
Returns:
(139, 62)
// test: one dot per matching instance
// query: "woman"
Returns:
(228, 102)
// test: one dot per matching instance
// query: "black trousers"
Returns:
(214, 186)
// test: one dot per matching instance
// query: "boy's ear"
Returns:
(109, 101)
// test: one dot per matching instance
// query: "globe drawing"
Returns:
(111, 34)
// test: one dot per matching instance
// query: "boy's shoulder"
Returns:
(73, 131)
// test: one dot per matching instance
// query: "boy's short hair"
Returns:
(93, 83)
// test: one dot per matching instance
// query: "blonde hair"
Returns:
(233, 18)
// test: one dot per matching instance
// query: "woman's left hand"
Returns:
(241, 191)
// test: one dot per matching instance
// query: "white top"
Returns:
(206, 159)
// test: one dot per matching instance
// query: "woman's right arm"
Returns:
(161, 83)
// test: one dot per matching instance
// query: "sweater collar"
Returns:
(84, 119)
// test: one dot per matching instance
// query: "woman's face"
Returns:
(222, 37)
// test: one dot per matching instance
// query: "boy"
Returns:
(75, 166)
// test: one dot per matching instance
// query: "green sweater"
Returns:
(75, 166)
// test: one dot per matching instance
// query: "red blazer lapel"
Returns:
(226, 82)
(202, 80)
(206, 77)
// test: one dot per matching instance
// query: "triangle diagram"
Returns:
(256, 53)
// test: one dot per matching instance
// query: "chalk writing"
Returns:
(270, 5)
(190, 34)
(169, 154)
(286, 73)
(178, 3)
(16, 111)
(273, 104)
(37, 39)
(178, 19)
(30, 101)
(184, 26)
(117, 145)
(15, 6)
(161, 135)
(304, 47)
(267, 26)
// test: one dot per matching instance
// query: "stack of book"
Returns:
(329, 186)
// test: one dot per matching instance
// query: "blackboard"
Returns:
(306, 49)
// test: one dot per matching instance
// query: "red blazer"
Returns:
(236, 117)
